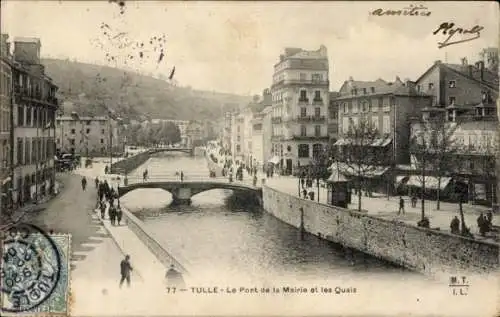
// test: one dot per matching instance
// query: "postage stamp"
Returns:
(35, 272)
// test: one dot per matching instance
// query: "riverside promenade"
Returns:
(381, 207)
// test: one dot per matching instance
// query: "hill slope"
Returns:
(133, 95)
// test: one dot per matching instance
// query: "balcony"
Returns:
(311, 82)
(276, 120)
(308, 137)
(303, 101)
(306, 119)
(318, 102)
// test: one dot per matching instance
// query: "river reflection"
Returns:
(212, 236)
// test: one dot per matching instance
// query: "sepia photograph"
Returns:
(249, 158)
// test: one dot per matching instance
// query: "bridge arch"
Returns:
(183, 191)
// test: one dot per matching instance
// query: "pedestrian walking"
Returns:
(103, 210)
(182, 176)
(482, 223)
(401, 205)
(96, 183)
(455, 225)
(84, 183)
(414, 201)
(174, 278)
(119, 214)
(125, 269)
(112, 214)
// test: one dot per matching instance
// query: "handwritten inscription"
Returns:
(412, 10)
(449, 29)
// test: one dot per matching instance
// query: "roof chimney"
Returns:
(27, 50)
(480, 65)
(5, 45)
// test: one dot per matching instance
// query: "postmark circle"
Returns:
(30, 270)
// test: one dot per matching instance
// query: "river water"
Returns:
(213, 235)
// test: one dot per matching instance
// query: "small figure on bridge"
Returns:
(125, 269)
(182, 176)
(106, 169)
(96, 183)
(112, 214)
(84, 183)
(174, 278)
(145, 175)
(255, 180)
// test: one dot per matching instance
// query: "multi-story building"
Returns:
(388, 106)
(227, 129)
(300, 104)
(34, 112)
(464, 98)
(87, 136)
(333, 117)
(182, 124)
(267, 128)
(5, 122)
(194, 134)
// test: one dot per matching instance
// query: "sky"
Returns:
(232, 46)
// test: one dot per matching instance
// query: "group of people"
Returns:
(484, 222)
(173, 278)
(107, 195)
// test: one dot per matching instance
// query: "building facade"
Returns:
(333, 117)
(300, 98)
(87, 136)
(464, 98)
(386, 107)
(5, 122)
(267, 129)
(34, 112)
(194, 134)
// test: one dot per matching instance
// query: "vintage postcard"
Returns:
(223, 158)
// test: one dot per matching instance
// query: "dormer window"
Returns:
(364, 91)
(373, 89)
(431, 86)
(452, 84)
(355, 91)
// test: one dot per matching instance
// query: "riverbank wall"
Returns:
(427, 251)
(130, 163)
(153, 244)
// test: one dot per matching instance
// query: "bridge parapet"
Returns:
(182, 191)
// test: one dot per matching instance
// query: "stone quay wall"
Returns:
(427, 251)
(153, 244)
(130, 163)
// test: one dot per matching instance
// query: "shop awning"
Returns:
(341, 142)
(6, 180)
(381, 142)
(366, 170)
(377, 142)
(336, 177)
(274, 160)
(431, 182)
(402, 179)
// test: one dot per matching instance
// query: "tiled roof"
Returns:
(488, 76)
(380, 86)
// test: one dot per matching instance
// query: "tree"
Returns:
(434, 146)
(357, 158)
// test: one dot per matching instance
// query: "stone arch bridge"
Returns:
(189, 151)
(182, 191)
